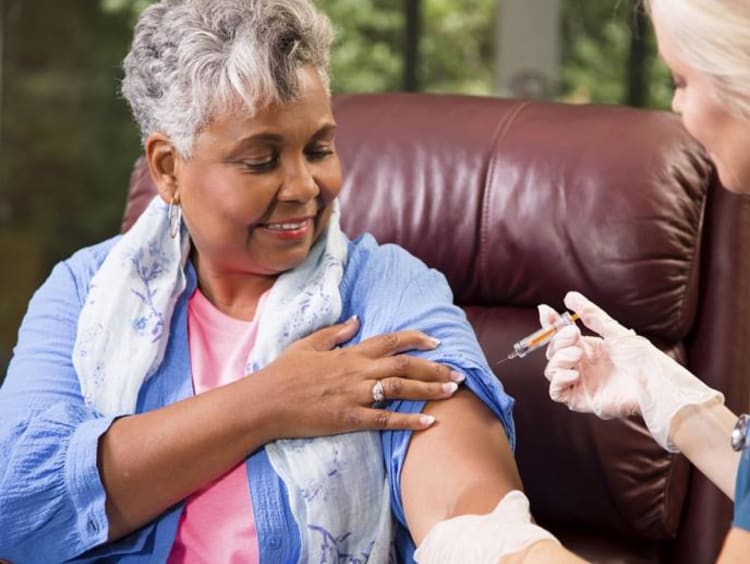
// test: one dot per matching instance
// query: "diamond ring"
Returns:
(378, 392)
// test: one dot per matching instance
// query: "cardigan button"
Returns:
(274, 542)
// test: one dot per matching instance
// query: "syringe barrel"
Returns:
(543, 336)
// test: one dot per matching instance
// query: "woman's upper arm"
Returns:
(51, 498)
(461, 465)
(41, 370)
(471, 445)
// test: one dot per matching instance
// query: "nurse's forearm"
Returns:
(702, 433)
(543, 552)
(149, 462)
(736, 547)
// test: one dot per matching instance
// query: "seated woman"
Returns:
(188, 392)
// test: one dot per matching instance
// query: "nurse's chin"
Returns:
(732, 181)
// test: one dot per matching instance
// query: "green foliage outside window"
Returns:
(367, 52)
(595, 42)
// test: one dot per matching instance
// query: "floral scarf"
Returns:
(338, 490)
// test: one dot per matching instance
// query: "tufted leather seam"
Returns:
(694, 274)
(500, 131)
(707, 178)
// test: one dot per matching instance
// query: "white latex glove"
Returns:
(619, 373)
(481, 539)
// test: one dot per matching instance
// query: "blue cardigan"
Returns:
(52, 502)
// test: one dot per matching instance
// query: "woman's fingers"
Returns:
(334, 335)
(389, 344)
(385, 360)
(411, 378)
(381, 419)
(404, 389)
(413, 368)
(344, 387)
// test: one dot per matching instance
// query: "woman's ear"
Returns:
(162, 165)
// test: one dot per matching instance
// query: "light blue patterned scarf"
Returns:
(338, 490)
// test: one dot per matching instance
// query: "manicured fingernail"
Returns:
(435, 342)
(457, 376)
(353, 318)
(426, 420)
(450, 387)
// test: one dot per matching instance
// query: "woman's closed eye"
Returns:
(268, 162)
(261, 164)
(318, 152)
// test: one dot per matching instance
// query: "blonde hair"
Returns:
(712, 37)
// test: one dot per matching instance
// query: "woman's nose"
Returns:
(299, 184)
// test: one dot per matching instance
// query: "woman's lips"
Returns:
(290, 229)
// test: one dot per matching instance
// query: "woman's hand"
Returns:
(323, 389)
(619, 373)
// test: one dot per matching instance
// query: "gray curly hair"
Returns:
(191, 59)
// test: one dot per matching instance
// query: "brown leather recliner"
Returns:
(518, 202)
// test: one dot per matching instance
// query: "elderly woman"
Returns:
(188, 392)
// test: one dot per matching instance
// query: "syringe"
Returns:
(541, 337)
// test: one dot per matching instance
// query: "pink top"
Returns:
(217, 524)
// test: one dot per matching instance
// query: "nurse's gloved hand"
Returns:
(618, 373)
(483, 538)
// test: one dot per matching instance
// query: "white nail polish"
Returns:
(450, 387)
(426, 420)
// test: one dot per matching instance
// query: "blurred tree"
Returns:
(454, 41)
(369, 43)
(412, 35)
(67, 142)
(132, 7)
(457, 46)
(637, 85)
(609, 55)
(67, 137)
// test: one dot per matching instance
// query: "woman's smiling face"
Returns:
(257, 192)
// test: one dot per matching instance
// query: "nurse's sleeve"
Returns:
(742, 492)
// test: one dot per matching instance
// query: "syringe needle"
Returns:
(511, 356)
